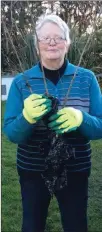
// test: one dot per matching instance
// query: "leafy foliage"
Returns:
(17, 30)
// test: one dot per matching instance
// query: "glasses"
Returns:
(47, 40)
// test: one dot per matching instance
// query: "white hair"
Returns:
(53, 19)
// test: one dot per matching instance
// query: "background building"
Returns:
(5, 86)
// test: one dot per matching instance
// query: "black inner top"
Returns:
(54, 75)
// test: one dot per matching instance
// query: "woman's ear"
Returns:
(67, 47)
(37, 50)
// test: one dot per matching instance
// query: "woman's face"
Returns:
(52, 43)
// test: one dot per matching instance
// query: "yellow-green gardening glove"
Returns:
(35, 107)
(66, 120)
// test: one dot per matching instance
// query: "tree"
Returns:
(18, 20)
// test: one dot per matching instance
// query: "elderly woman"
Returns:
(78, 122)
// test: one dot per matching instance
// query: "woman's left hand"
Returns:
(65, 120)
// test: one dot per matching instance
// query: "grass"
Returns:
(11, 199)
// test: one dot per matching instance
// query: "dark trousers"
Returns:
(72, 202)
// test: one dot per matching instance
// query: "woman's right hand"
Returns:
(35, 107)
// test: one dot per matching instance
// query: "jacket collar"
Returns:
(35, 71)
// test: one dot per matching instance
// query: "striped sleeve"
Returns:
(16, 127)
(92, 122)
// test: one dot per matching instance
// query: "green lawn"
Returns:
(11, 200)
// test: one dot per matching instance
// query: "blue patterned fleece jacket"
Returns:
(85, 95)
